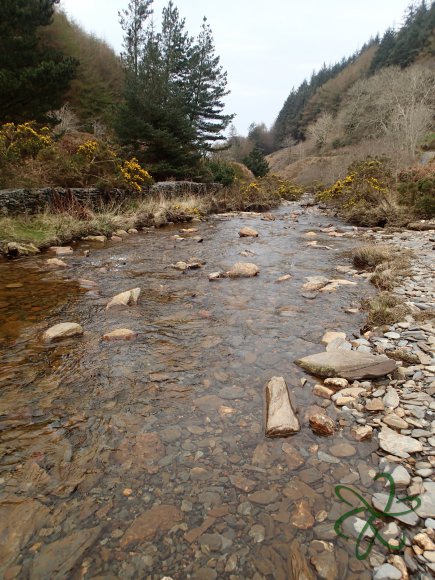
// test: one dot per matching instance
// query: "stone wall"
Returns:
(31, 201)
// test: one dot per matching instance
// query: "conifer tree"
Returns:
(33, 77)
(257, 162)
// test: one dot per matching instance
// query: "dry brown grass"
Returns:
(387, 263)
(384, 309)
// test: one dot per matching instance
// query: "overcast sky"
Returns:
(266, 46)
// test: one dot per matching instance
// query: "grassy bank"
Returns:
(54, 226)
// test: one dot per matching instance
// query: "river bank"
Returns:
(148, 457)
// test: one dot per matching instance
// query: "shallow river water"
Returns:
(147, 458)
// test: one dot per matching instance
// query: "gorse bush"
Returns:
(416, 188)
(32, 157)
(22, 140)
(367, 181)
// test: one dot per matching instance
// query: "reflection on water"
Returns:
(148, 458)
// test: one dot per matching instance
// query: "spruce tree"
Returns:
(173, 105)
(33, 77)
(206, 89)
(257, 162)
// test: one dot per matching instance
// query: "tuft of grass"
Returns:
(385, 308)
(369, 256)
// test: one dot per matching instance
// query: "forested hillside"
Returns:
(325, 91)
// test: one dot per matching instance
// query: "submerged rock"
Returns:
(100, 239)
(119, 334)
(347, 364)
(160, 518)
(56, 263)
(61, 250)
(62, 330)
(128, 298)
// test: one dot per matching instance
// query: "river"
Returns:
(167, 431)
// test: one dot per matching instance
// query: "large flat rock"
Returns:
(347, 364)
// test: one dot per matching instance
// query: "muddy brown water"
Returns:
(94, 435)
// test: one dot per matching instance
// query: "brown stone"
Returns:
(119, 334)
(342, 450)
(125, 299)
(297, 565)
(322, 424)
(323, 392)
(362, 433)
(19, 522)
(156, 520)
(301, 517)
(248, 233)
(242, 483)
(243, 270)
(57, 559)
(375, 405)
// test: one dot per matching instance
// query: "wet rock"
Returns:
(243, 270)
(190, 265)
(209, 402)
(283, 278)
(154, 521)
(248, 233)
(298, 566)
(349, 365)
(19, 521)
(424, 542)
(243, 483)
(281, 418)
(264, 497)
(325, 564)
(121, 233)
(292, 457)
(396, 444)
(15, 250)
(215, 276)
(315, 283)
(257, 533)
(212, 541)
(301, 517)
(322, 424)
(56, 263)
(62, 330)
(342, 450)
(125, 299)
(61, 250)
(100, 239)
(119, 334)
(55, 560)
(200, 474)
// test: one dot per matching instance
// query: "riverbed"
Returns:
(147, 458)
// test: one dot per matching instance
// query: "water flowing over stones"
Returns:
(281, 417)
(120, 334)
(148, 458)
